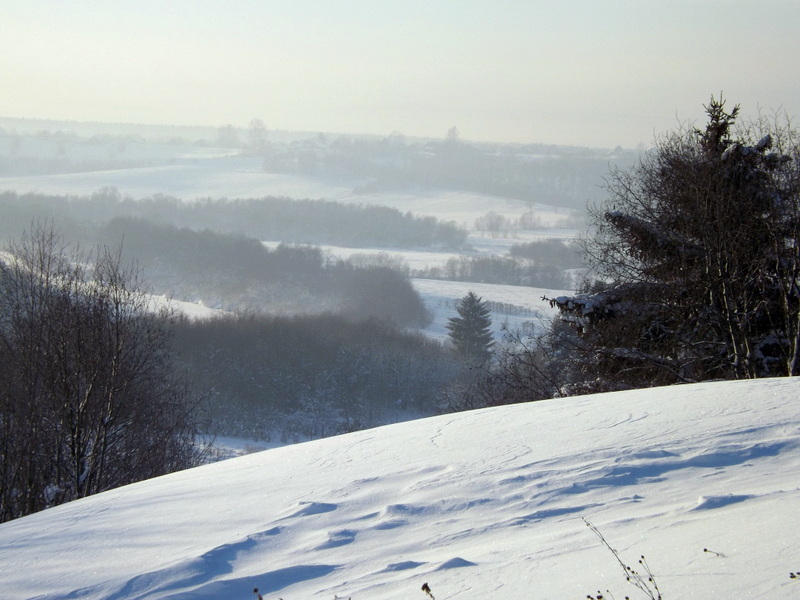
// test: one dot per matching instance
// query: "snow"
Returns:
(243, 177)
(441, 298)
(192, 173)
(186, 178)
(418, 260)
(191, 310)
(483, 504)
(415, 260)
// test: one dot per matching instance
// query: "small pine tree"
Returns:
(470, 332)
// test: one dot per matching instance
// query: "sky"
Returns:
(576, 72)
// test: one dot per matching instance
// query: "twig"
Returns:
(645, 582)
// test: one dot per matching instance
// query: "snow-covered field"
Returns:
(187, 179)
(213, 175)
(191, 310)
(484, 504)
(243, 177)
(527, 310)
(441, 298)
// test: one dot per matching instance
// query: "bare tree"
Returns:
(90, 395)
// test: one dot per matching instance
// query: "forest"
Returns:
(296, 378)
(301, 221)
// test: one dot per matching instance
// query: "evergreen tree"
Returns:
(470, 332)
(696, 256)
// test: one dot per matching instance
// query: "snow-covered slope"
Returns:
(527, 311)
(243, 177)
(485, 504)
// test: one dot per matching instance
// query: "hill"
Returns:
(484, 504)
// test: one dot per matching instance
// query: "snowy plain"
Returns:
(482, 504)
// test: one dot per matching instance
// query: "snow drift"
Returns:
(484, 504)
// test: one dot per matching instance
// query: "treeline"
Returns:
(289, 379)
(543, 264)
(499, 226)
(224, 270)
(554, 175)
(500, 308)
(499, 270)
(559, 253)
(269, 218)
(236, 273)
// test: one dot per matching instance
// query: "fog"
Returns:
(574, 73)
(309, 251)
(330, 178)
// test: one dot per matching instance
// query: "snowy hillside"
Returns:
(190, 178)
(486, 504)
(525, 311)
(199, 175)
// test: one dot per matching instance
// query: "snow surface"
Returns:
(191, 310)
(533, 317)
(483, 504)
(243, 177)
(192, 173)
(527, 312)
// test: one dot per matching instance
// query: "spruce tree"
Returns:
(470, 332)
(695, 259)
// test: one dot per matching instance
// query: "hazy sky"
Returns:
(583, 72)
